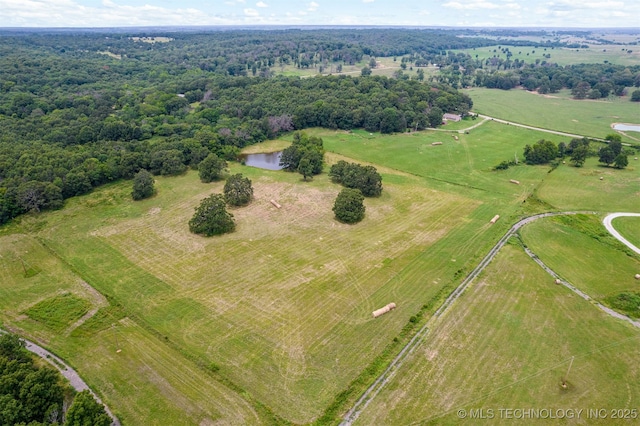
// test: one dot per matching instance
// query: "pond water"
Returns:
(627, 127)
(269, 161)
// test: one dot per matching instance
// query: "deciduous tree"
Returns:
(143, 185)
(211, 168)
(211, 217)
(349, 206)
(238, 190)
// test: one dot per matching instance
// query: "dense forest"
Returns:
(82, 108)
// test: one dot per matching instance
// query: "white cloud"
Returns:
(251, 12)
(578, 4)
(68, 13)
(313, 6)
(262, 4)
(368, 1)
(471, 5)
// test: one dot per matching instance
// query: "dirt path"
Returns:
(68, 372)
(607, 224)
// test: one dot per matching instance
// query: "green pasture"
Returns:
(147, 382)
(273, 320)
(580, 188)
(629, 228)
(465, 164)
(507, 344)
(613, 54)
(581, 251)
(283, 305)
(591, 118)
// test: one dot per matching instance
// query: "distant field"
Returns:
(629, 227)
(584, 117)
(613, 54)
(507, 344)
(386, 66)
(466, 162)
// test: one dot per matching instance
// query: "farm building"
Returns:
(451, 117)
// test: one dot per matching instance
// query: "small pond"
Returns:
(627, 127)
(269, 161)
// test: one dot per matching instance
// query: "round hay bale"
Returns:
(558, 281)
(637, 276)
(601, 178)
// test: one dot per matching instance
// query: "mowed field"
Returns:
(274, 320)
(629, 228)
(591, 118)
(507, 344)
(281, 308)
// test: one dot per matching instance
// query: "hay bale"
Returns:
(637, 276)
(558, 281)
(495, 219)
(275, 204)
(517, 182)
(455, 137)
(436, 143)
(383, 310)
(601, 178)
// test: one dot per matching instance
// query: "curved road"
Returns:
(397, 362)
(607, 224)
(68, 372)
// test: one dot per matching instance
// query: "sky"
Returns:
(463, 13)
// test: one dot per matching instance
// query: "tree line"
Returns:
(577, 150)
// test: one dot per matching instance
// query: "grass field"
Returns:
(628, 227)
(507, 344)
(600, 265)
(386, 67)
(571, 188)
(584, 117)
(613, 54)
(273, 321)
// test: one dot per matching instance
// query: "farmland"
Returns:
(298, 320)
(507, 343)
(614, 54)
(583, 117)
(272, 323)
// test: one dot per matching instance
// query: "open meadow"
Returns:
(507, 344)
(591, 118)
(270, 323)
(594, 54)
